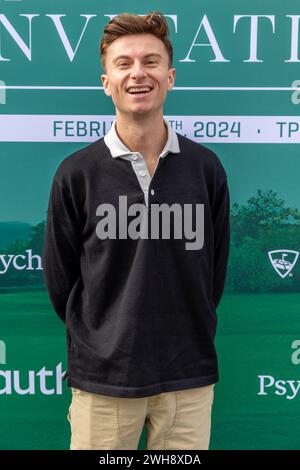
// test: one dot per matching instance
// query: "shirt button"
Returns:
(134, 157)
(152, 192)
(142, 173)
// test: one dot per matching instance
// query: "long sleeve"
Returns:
(221, 240)
(61, 250)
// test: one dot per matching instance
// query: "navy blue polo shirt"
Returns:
(140, 312)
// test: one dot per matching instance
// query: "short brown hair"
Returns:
(127, 23)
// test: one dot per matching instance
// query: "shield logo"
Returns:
(283, 261)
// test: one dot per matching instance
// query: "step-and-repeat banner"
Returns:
(237, 91)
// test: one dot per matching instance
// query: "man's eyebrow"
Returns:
(120, 57)
(155, 54)
(152, 54)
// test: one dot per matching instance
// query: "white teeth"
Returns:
(136, 90)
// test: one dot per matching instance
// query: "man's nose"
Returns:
(137, 71)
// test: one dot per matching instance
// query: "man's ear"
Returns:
(171, 78)
(105, 83)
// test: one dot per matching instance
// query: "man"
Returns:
(135, 257)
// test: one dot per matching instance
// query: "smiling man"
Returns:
(140, 311)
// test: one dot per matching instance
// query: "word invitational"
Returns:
(162, 221)
(20, 30)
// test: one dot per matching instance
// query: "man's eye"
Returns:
(122, 64)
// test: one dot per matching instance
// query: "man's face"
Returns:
(137, 75)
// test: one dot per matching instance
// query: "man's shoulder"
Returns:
(80, 161)
(193, 148)
(83, 156)
(200, 154)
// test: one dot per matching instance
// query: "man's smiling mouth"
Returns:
(136, 90)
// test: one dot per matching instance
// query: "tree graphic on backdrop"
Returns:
(261, 225)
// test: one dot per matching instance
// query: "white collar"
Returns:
(118, 149)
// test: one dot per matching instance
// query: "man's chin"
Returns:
(141, 111)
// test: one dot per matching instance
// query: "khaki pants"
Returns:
(174, 420)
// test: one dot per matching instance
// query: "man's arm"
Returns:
(221, 240)
(61, 250)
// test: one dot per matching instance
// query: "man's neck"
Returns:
(147, 136)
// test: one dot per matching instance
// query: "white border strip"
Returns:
(88, 128)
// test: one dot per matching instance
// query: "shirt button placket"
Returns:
(141, 172)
